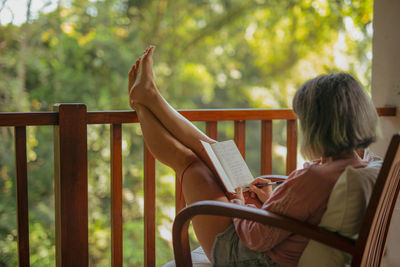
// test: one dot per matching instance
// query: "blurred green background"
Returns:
(210, 54)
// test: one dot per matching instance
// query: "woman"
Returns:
(336, 119)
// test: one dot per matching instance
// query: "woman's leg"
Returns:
(198, 182)
(144, 91)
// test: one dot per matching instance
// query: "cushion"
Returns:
(199, 259)
(344, 214)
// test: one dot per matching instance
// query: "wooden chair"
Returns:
(366, 250)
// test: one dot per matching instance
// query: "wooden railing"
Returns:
(70, 166)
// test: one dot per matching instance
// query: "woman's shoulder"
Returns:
(319, 174)
(309, 169)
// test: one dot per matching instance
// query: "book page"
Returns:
(218, 167)
(233, 163)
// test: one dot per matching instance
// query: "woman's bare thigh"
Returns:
(199, 183)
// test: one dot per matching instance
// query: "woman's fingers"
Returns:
(230, 195)
(257, 190)
(239, 193)
(239, 190)
(262, 194)
(260, 180)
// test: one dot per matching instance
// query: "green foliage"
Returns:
(210, 54)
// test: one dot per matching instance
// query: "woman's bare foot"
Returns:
(141, 83)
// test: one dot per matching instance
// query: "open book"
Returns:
(229, 164)
(231, 167)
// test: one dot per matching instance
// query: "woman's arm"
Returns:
(286, 200)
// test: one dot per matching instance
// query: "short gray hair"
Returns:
(335, 116)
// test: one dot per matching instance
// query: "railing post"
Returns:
(149, 209)
(70, 185)
(240, 136)
(266, 147)
(116, 195)
(291, 144)
(22, 196)
(212, 129)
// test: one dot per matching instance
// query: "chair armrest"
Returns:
(274, 178)
(181, 222)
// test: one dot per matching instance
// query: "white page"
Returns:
(233, 163)
(218, 167)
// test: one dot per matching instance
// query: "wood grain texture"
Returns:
(387, 111)
(125, 116)
(71, 191)
(266, 147)
(116, 195)
(22, 196)
(149, 209)
(240, 136)
(97, 117)
(28, 118)
(212, 129)
(379, 212)
(291, 144)
(112, 117)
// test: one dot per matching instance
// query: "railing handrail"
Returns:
(127, 116)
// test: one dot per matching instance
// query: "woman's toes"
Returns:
(149, 53)
(151, 50)
(135, 71)
(131, 70)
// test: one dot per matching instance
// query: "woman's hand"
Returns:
(247, 197)
(238, 194)
(261, 193)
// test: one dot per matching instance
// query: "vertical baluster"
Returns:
(212, 129)
(116, 194)
(22, 196)
(240, 137)
(291, 144)
(149, 209)
(266, 147)
(70, 185)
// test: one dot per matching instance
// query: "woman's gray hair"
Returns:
(336, 116)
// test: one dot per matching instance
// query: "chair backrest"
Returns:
(374, 230)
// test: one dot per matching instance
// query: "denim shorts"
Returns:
(228, 250)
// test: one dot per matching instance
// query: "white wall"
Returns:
(386, 92)
(386, 66)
